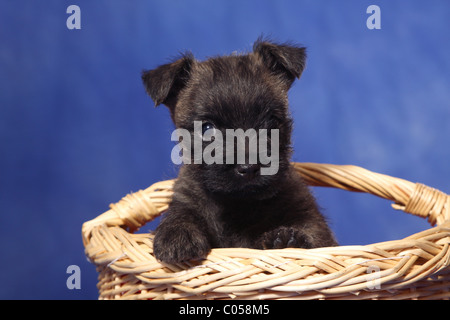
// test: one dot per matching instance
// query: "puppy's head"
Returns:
(235, 111)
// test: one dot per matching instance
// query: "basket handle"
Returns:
(136, 209)
(414, 198)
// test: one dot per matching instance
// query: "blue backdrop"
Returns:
(78, 132)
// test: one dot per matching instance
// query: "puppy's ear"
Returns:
(285, 60)
(164, 83)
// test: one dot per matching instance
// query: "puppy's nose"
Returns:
(248, 170)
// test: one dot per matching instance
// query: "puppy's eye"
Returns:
(207, 126)
(208, 131)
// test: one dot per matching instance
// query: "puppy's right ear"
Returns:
(164, 83)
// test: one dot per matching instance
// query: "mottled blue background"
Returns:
(78, 132)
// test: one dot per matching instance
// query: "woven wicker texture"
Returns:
(416, 267)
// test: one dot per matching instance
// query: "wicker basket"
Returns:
(416, 267)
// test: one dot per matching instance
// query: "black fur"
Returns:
(218, 205)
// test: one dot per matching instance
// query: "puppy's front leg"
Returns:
(297, 236)
(181, 236)
(286, 237)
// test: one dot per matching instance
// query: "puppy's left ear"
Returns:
(285, 60)
(164, 83)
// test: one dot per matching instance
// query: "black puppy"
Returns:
(235, 204)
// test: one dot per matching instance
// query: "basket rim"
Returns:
(113, 247)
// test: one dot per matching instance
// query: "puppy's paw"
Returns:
(285, 237)
(173, 245)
